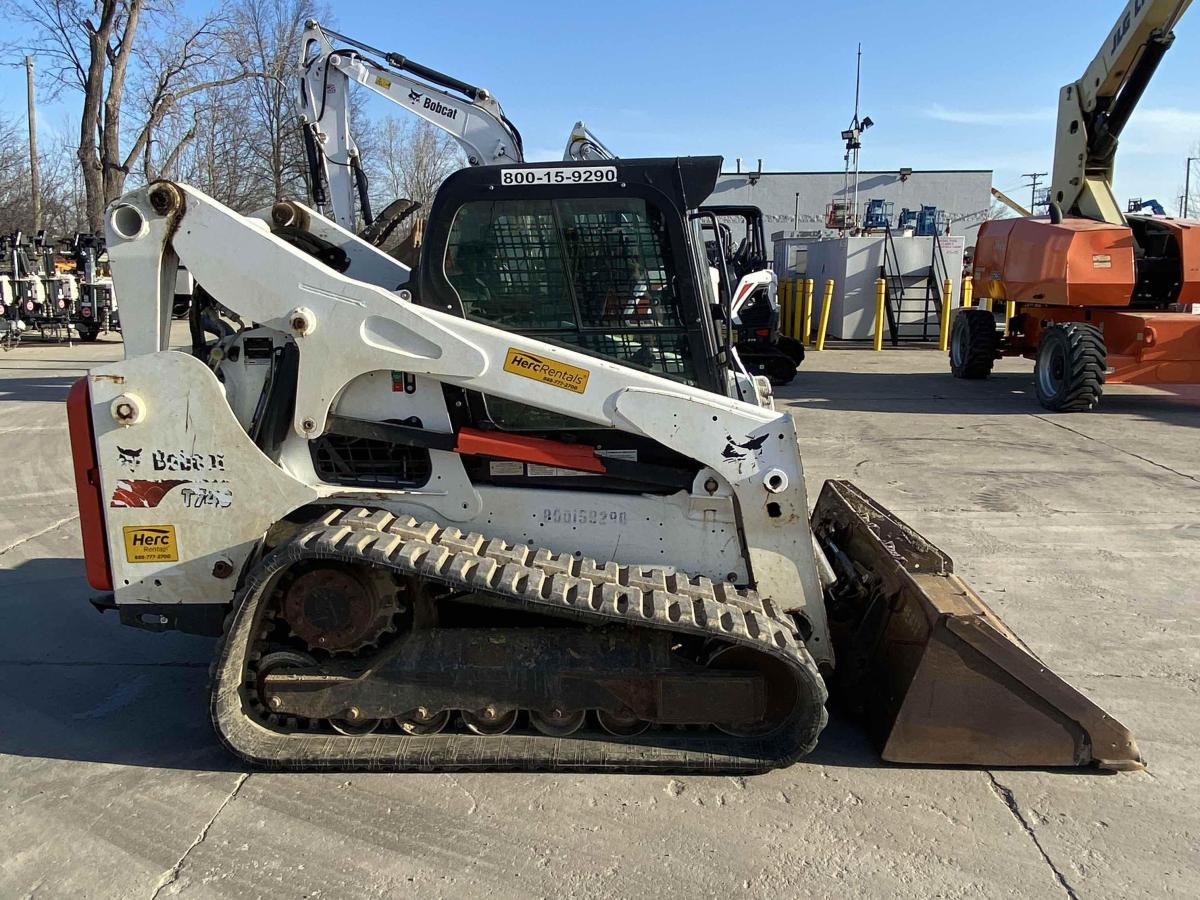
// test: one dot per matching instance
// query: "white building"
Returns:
(965, 195)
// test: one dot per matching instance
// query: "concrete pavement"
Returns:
(1081, 531)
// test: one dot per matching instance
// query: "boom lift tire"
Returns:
(1071, 361)
(974, 344)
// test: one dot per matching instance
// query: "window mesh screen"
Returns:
(596, 274)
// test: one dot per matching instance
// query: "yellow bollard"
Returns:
(944, 323)
(793, 311)
(826, 305)
(786, 306)
(796, 292)
(968, 290)
(880, 300)
(806, 325)
(1010, 312)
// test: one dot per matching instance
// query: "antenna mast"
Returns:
(853, 138)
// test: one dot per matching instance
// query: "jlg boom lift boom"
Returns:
(500, 517)
(1100, 295)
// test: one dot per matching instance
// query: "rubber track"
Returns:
(534, 580)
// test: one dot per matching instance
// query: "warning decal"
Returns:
(546, 370)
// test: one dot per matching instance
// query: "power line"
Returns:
(1034, 178)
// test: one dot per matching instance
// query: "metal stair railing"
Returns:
(894, 279)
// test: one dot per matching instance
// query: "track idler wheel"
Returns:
(353, 727)
(273, 662)
(490, 720)
(780, 689)
(422, 721)
(558, 723)
(621, 724)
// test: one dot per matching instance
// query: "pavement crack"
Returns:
(1008, 799)
(1144, 459)
(38, 534)
(172, 875)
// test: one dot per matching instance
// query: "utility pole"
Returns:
(34, 177)
(1187, 186)
(1034, 178)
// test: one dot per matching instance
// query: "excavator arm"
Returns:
(1093, 111)
(468, 113)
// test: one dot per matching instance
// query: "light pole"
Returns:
(34, 176)
(1187, 186)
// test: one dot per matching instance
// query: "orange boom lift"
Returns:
(1088, 292)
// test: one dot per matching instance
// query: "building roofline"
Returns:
(863, 172)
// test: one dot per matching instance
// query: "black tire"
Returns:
(1069, 373)
(974, 344)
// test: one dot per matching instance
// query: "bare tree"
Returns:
(95, 46)
(57, 163)
(410, 159)
(266, 36)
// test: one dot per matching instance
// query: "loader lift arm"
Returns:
(1093, 111)
(470, 114)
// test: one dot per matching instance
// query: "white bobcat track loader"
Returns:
(502, 517)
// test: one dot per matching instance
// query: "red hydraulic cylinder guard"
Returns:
(87, 486)
(581, 457)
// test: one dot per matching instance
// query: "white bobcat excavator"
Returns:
(328, 72)
(501, 518)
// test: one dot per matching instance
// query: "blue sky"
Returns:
(970, 85)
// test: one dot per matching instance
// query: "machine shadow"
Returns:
(79, 686)
(49, 389)
(938, 393)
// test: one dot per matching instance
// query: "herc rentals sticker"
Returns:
(545, 370)
(150, 543)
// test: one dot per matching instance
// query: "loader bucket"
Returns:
(937, 674)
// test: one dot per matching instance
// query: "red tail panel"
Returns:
(87, 486)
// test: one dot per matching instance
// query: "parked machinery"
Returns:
(28, 292)
(1137, 204)
(1099, 295)
(502, 516)
(10, 322)
(745, 281)
(877, 215)
(97, 299)
(753, 304)
(60, 288)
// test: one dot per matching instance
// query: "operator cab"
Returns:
(597, 257)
